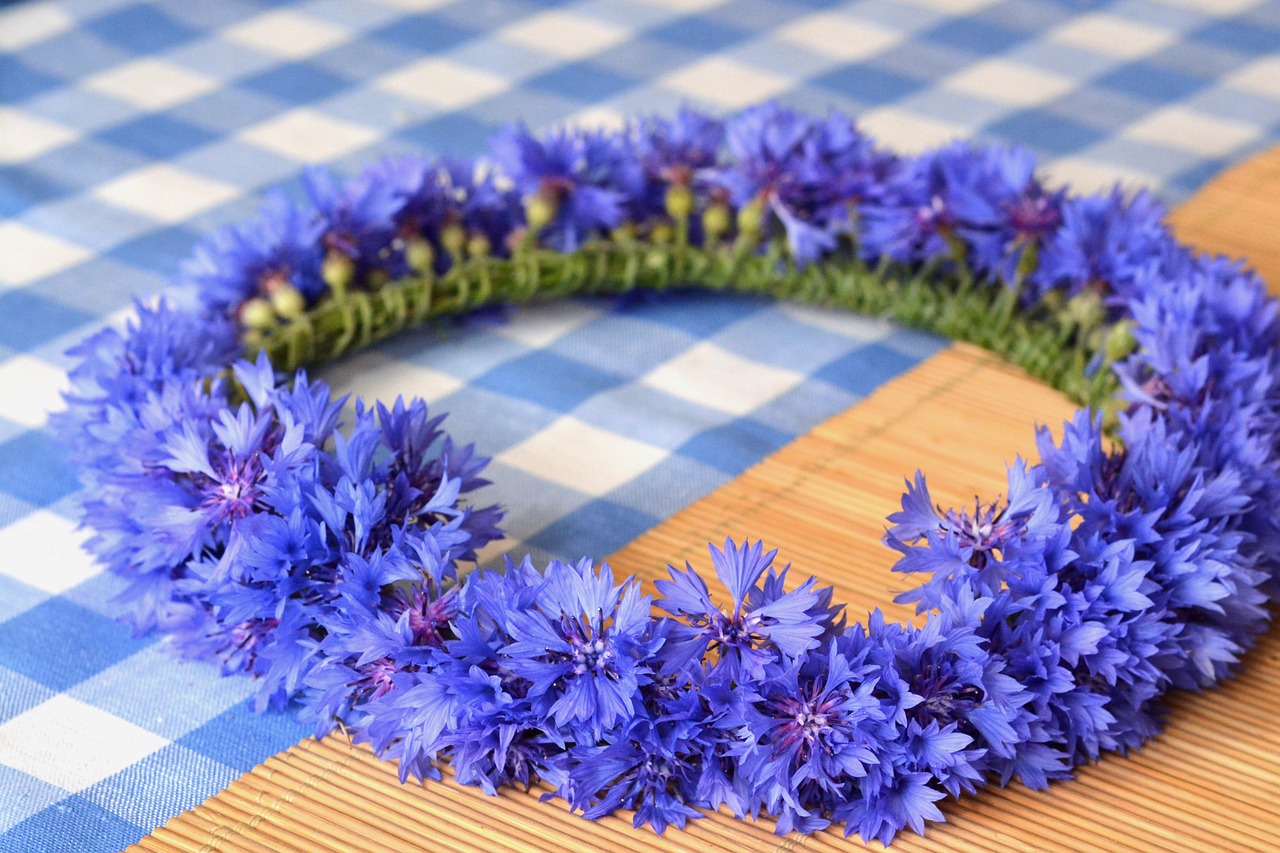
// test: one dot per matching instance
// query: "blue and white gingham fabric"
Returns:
(128, 129)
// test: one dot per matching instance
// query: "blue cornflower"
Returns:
(581, 646)
(280, 248)
(575, 183)
(756, 630)
(808, 174)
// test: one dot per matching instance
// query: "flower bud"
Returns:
(479, 246)
(1085, 309)
(454, 238)
(679, 202)
(539, 210)
(288, 302)
(661, 234)
(257, 313)
(624, 233)
(337, 271)
(1120, 341)
(751, 217)
(419, 255)
(716, 221)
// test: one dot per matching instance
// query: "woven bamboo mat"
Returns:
(1211, 782)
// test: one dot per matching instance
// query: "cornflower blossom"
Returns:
(749, 634)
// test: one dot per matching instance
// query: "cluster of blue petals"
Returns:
(323, 559)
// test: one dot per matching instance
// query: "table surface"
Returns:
(128, 130)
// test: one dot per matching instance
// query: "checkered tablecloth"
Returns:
(128, 129)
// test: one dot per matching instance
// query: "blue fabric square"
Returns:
(163, 693)
(1157, 85)
(1046, 132)
(698, 313)
(18, 694)
(23, 187)
(548, 379)
(142, 29)
(428, 33)
(868, 84)
(863, 370)
(85, 163)
(22, 796)
(702, 33)
(114, 283)
(16, 596)
(595, 530)
(459, 134)
(73, 824)
(158, 136)
(586, 80)
(34, 469)
(35, 644)
(241, 739)
(668, 421)
(227, 110)
(629, 345)
(27, 319)
(490, 420)
(803, 407)
(981, 36)
(736, 446)
(19, 81)
(675, 481)
(298, 83)
(1247, 36)
(176, 779)
(157, 251)
(542, 501)
(73, 54)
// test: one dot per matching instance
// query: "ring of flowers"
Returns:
(1136, 556)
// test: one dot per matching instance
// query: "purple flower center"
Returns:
(807, 721)
(591, 655)
(1033, 216)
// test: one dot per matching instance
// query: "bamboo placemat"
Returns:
(1210, 782)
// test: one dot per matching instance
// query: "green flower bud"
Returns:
(539, 210)
(288, 302)
(716, 221)
(419, 255)
(253, 339)
(1120, 341)
(454, 238)
(679, 202)
(624, 233)
(1086, 310)
(257, 313)
(751, 217)
(661, 234)
(337, 271)
(479, 246)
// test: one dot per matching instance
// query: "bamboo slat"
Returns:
(1210, 782)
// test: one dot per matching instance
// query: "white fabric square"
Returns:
(599, 118)
(32, 389)
(442, 83)
(308, 136)
(1085, 174)
(150, 83)
(24, 136)
(711, 376)
(536, 325)
(374, 376)
(1189, 130)
(954, 7)
(583, 457)
(840, 36)
(909, 132)
(165, 193)
(1007, 82)
(725, 82)
(843, 323)
(1112, 35)
(45, 551)
(286, 34)
(71, 744)
(563, 34)
(28, 23)
(1261, 77)
(27, 254)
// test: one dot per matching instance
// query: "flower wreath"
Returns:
(1135, 557)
